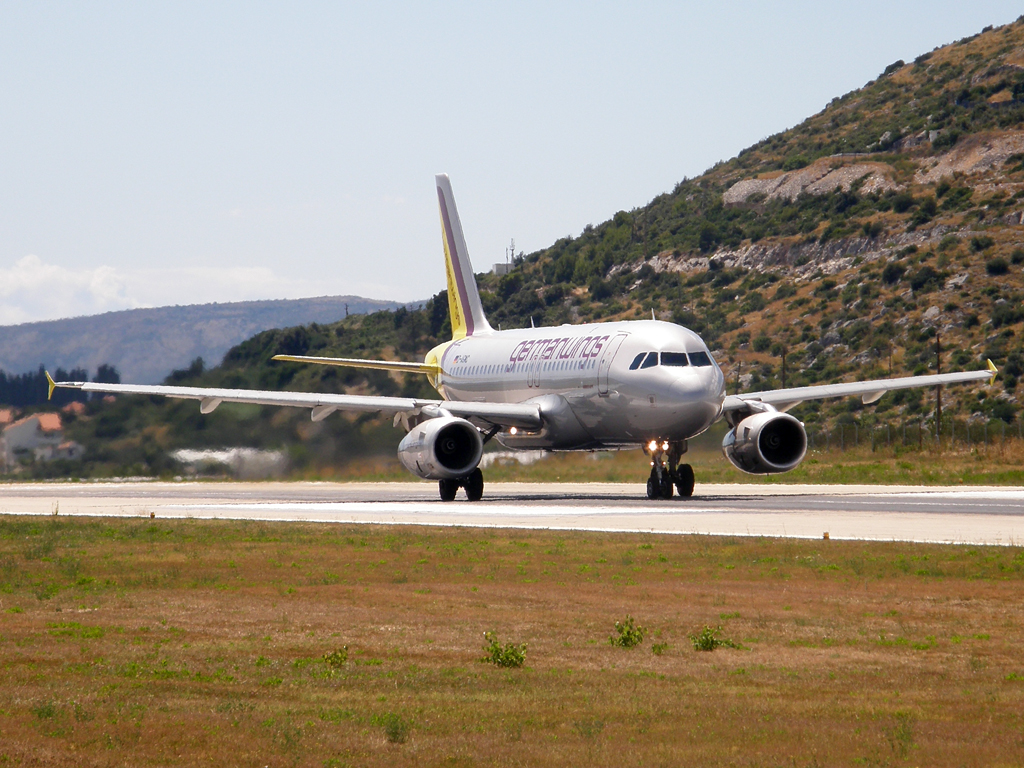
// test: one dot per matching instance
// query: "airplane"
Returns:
(613, 385)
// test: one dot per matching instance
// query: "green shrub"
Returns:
(997, 266)
(336, 659)
(396, 730)
(893, 272)
(599, 289)
(659, 648)
(629, 633)
(708, 640)
(762, 343)
(45, 711)
(508, 655)
(1017, 257)
(981, 243)
(872, 229)
(903, 202)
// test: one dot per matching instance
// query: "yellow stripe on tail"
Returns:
(467, 313)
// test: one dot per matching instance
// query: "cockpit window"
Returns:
(636, 361)
(700, 358)
(651, 361)
(674, 358)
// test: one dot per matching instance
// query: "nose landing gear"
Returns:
(666, 471)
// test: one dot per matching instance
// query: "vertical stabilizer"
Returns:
(467, 312)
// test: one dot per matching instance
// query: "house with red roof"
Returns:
(39, 437)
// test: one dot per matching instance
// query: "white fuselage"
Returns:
(596, 384)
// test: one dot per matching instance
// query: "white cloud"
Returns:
(32, 290)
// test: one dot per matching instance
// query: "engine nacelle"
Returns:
(765, 443)
(444, 448)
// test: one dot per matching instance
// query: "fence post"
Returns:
(856, 435)
(888, 442)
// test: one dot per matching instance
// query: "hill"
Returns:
(848, 246)
(147, 344)
(851, 240)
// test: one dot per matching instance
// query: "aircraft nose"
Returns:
(687, 387)
(694, 384)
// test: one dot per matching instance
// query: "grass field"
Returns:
(138, 642)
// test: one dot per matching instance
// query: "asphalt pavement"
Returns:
(977, 515)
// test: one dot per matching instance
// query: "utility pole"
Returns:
(783, 367)
(938, 388)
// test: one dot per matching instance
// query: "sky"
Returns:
(179, 153)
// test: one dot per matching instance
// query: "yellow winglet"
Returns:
(992, 367)
(51, 384)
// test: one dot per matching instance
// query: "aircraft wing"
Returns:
(524, 415)
(870, 391)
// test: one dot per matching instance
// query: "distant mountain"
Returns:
(147, 344)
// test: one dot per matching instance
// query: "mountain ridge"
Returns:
(145, 345)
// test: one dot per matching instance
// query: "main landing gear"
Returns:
(473, 483)
(666, 471)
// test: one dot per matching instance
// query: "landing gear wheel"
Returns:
(474, 485)
(448, 489)
(659, 485)
(684, 480)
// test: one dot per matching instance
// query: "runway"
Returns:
(888, 513)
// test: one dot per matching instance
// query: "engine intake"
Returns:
(444, 448)
(765, 443)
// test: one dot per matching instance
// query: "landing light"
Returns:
(664, 446)
(512, 430)
(653, 445)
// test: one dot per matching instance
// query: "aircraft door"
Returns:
(533, 370)
(605, 363)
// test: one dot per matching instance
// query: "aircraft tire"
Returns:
(448, 489)
(474, 485)
(684, 480)
(666, 486)
(653, 490)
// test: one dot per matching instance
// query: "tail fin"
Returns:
(467, 312)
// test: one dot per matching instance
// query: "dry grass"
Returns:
(156, 642)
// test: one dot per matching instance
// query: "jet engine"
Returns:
(444, 448)
(766, 442)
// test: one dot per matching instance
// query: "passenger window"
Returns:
(700, 358)
(674, 358)
(636, 361)
(651, 361)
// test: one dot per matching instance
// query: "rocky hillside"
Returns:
(849, 242)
